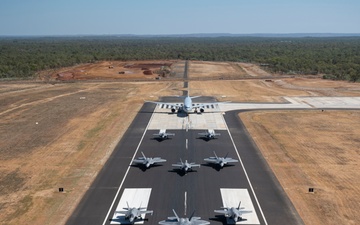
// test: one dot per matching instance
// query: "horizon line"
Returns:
(289, 34)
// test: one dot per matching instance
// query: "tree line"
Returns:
(335, 58)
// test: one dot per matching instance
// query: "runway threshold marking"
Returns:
(127, 171)
(231, 198)
(135, 197)
(247, 176)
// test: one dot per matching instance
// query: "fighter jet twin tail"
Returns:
(133, 214)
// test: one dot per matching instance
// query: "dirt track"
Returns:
(61, 135)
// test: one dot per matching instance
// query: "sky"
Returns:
(164, 17)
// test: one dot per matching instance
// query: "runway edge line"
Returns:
(127, 171)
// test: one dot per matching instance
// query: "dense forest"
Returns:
(335, 58)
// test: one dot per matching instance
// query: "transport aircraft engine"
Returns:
(173, 110)
(202, 110)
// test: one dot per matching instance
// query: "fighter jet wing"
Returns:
(139, 160)
(211, 160)
(245, 211)
(147, 211)
(178, 165)
(223, 211)
(230, 160)
(194, 165)
(121, 212)
(158, 160)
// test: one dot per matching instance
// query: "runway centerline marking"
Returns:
(186, 142)
(185, 197)
(247, 177)
(127, 171)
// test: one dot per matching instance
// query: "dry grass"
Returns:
(61, 135)
(313, 149)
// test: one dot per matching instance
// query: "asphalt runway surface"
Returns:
(202, 186)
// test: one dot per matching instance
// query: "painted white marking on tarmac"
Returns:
(127, 171)
(186, 143)
(185, 203)
(231, 198)
(247, 177)
(135, 197)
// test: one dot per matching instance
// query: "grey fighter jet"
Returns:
(148, 161)
(233, 213)
(185, 166)
(163, 134)
(183, 221)
(133, 214)
(209, 134)
(221, 161)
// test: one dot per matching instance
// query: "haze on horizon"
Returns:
(161, 17)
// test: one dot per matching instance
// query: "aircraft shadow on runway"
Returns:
(222, 218)
(144, 168)
(181, 172)
(159, 139)
(206, 139)
(122, 220)
(219, 218)
(216, 166)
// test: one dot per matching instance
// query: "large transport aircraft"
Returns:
(176, 220)
(187, 106)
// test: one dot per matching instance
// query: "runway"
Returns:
(199, 190)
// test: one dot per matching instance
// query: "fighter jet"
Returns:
(148, 161)
(132, 214)
(233, 213)
(221, 161)
(184, 221)
(163, 135)
(185, 166)
(209, 134)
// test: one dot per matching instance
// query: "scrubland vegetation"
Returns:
(334, 58)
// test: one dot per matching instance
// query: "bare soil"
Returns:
(313, 149)
(61, 134)
(114, 70)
